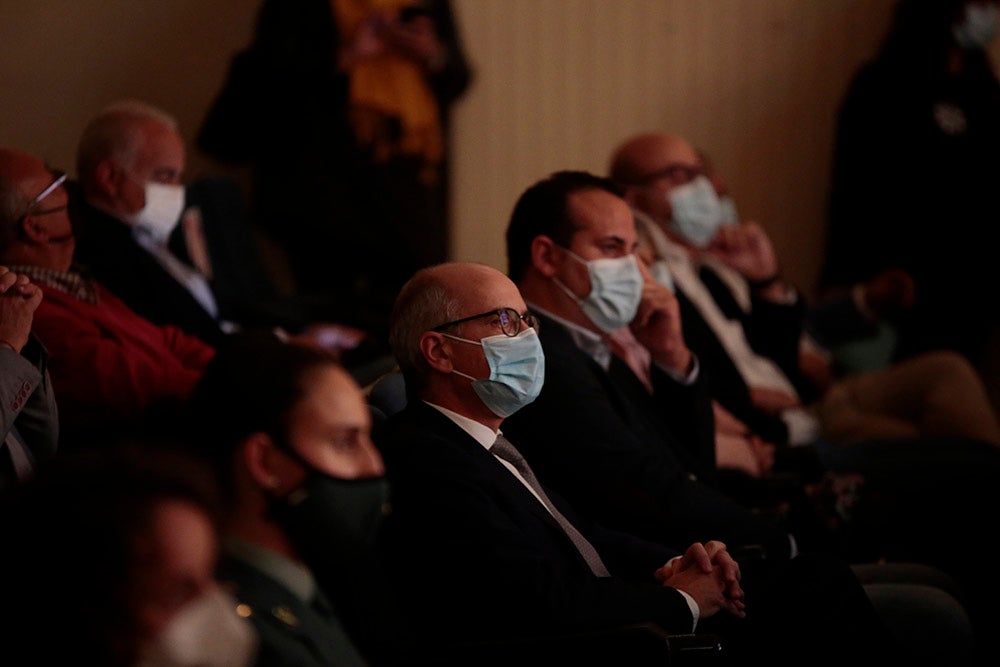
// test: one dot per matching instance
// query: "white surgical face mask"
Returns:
(615, 291)
(978, 27)
(162, 212)
(697, 211)
(206, 632)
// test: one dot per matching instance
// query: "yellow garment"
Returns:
(389, 86)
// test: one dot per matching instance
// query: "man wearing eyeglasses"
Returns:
(482, 550)
(111, 369)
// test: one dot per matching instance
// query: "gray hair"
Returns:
(422, 304)
(14, 200)
(115, 133)
(13, 204)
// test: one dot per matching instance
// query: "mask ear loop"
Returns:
(464, 340)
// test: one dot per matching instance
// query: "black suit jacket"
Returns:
(634, 462)
(106, 248)
(773, 330)
(477, 557)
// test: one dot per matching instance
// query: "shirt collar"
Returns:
(590, 343)
(481, 433)
(294, 576)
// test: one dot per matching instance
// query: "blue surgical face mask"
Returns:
(517, 371)
(661, 274)
(978, 26)
(729, 215)
(697, 211)
(615, 291)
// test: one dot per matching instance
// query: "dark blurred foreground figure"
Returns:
(341, 109)
(287, 432)
(916, 163)
(109, 559)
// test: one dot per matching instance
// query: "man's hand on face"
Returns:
(657, 324)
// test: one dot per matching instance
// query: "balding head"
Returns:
(644, 156)
(34, 224)
(18, 171)
(648, 166)
(124, 146)
(117, 132)
(440, 294)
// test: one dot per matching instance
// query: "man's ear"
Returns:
(543, 256)
(32, 229)
(258, 456)
(108, 178)
(436, 349)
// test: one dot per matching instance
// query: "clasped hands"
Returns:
(708, 574)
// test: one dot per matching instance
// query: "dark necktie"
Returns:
(503, 449)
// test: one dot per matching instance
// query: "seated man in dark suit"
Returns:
(286, 431)
(112, 371)
(623, 427)
(116, 550)
(480, 550)
(176, 255)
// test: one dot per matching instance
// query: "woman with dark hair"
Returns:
(915, 172)
(287, 432)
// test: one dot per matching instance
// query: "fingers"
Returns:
(16, 283)
(697, 555)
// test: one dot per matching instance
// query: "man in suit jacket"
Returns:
(623, 426)
(477, 546)
(191, 264)
(112, 370)
(130, 161)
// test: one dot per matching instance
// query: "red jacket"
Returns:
(110, 365)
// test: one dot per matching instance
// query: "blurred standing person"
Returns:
(341, 109)
(916, 163)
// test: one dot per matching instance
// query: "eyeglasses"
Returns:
(675, 172)
(508, 319)
(60, 178)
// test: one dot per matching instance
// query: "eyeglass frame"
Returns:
(60, 178)
(671, 171)
(528, 318)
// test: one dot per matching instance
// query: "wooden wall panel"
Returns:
(558, 84)
(561, 82)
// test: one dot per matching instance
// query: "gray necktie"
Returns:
(503, 449)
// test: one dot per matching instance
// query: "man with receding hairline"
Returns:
(112, 370)
(482, 549)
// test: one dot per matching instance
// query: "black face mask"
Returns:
(332, 521)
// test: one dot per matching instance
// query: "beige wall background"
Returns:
(558, 84)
